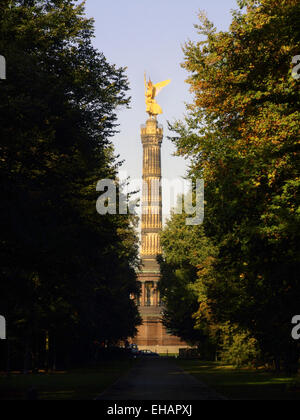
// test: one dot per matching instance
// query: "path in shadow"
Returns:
(159, 379)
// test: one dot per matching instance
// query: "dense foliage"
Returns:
(185, 249)
(67, 273)
(242, 135)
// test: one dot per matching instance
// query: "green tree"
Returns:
(185, 251)
(65, 270)
(242, 135)
(237, 347)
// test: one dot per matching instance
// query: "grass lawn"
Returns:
(243, 384)
(77, 384)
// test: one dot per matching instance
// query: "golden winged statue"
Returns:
(151, 91)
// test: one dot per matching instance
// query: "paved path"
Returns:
(159, 379)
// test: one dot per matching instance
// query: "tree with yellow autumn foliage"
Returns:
(242, 135)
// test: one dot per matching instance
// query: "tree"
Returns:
(65, 270)
(242, 135)
(185, 250)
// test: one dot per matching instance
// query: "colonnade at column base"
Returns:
(152, 335)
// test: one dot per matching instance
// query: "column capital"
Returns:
(152, 132)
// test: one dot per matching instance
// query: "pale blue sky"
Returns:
(147, 35)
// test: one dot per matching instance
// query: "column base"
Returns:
(152, 335)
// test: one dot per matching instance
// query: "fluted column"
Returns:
(152, 136)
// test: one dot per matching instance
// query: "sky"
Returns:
(145, 35)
